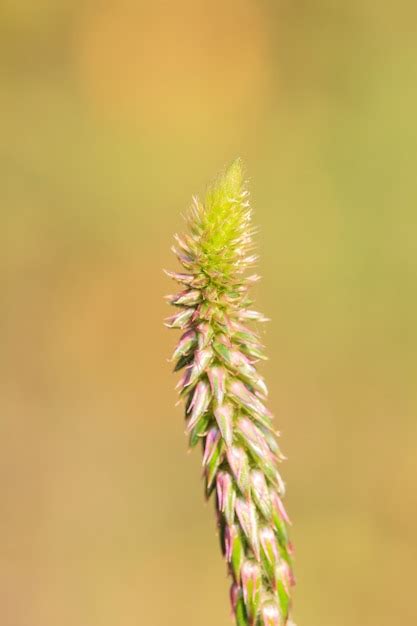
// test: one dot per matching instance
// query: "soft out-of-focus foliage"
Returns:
(112, 114)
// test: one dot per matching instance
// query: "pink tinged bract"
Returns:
(254, 438)
(202, 359)
(185, 242)
(243, 366)
(183, 382)
(261, 492)
(280, 483)
(237, 327)
(199, 404)
(271, 615)
(205, 333)
(224, 340)
(271, 439)
(241, 361)
(226, 496)
(254, 350)
(279, 507)
(217, 378)
(285, 574)
(212, 439)
(269, 544)
(187, 341)
(235, 592)
(180, 320)
(226, 353)
(214, 463)
(223, 483)
(187, 260)
(187, 298)
(224, 419)
(234, 549)
(230, 535)
(239, 465)
(246, 513)
(184, 279)
(248, 400)
(251, 577)
(260, 386)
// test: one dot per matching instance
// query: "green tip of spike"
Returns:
(223, 224)
(228, 185)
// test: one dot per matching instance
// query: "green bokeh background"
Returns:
(112, 115)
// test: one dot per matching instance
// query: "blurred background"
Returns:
(113, 114)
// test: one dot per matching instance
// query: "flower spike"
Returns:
(225, 399)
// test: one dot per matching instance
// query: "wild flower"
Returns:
(225, 399)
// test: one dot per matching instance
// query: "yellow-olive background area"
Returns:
(113, 114)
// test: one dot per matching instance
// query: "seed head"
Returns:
(225, 398)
